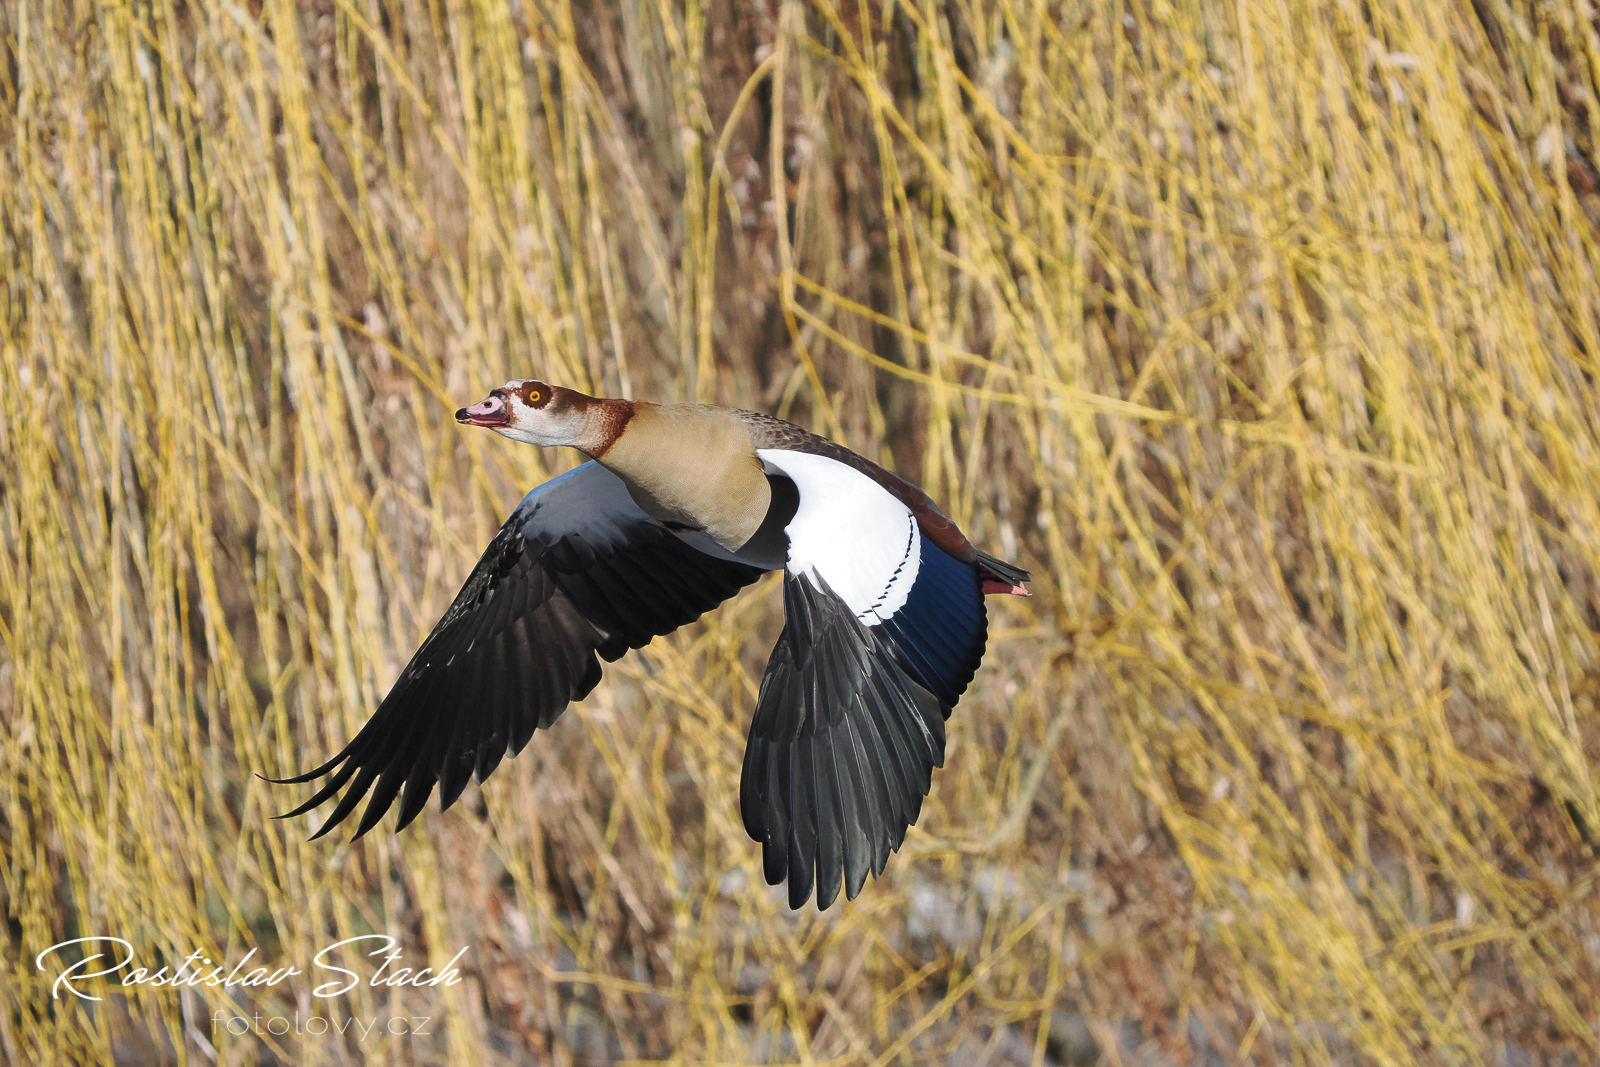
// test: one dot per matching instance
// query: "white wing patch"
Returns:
(851, 532)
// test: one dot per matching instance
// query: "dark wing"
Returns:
(578, 569)
(884, 630)
(849, 725)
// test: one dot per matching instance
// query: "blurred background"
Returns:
(1265, 334)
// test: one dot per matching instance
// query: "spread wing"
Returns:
(577, 571)
(883, 631)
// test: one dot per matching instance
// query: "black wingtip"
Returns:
(800, 881)
(827, 894)
(774, 863)
(308, 776)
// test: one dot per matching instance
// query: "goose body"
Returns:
(678, 508)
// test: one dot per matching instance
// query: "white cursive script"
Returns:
(192, 971)
(402, 976)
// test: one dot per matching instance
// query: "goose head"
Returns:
(539, 414)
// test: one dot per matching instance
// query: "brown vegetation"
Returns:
(1265, 334)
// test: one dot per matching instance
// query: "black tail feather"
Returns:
(1001, 571)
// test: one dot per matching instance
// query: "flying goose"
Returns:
(678, 508)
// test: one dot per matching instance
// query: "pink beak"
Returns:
(492, 411)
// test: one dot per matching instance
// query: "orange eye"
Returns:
(533, 396)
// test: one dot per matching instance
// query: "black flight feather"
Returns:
(577, 570)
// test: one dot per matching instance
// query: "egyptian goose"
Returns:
(678, 508)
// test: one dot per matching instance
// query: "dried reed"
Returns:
(1264, 333)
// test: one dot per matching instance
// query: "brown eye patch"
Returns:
(534, 393)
